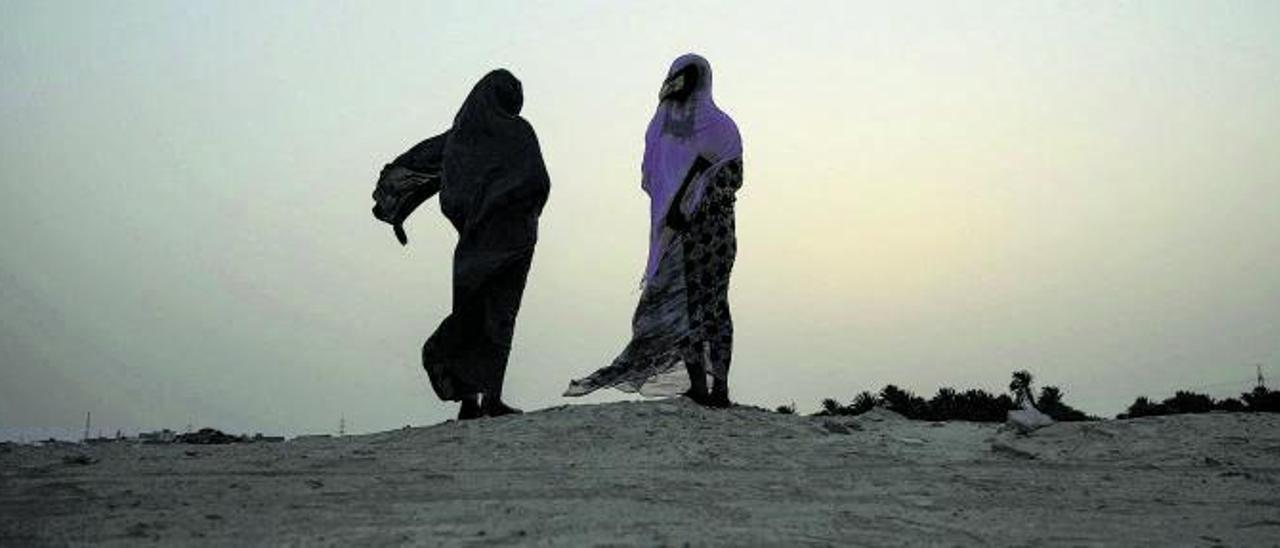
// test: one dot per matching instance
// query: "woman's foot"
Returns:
(494, 407)
(698, 397)
(719, 396)
(718, 401)
(470, 408)
(697, 381)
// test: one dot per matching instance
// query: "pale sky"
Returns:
(936, 193)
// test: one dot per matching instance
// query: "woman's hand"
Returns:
(676, 220)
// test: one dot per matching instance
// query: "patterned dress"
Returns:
(683, 313)
(710, 247)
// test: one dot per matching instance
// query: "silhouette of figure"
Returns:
(692, 169)
(493, 184)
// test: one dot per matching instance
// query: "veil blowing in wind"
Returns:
(682, 331)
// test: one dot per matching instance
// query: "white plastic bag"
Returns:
(1028, 419)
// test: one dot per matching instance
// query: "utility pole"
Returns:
(1262, 383)
(342, 425)
(87, 415)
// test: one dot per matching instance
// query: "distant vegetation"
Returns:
(1184, 401)
(975, 405)
(978, 405)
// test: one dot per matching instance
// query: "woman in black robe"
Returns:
(493, 184)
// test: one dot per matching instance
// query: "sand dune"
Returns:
(669, 473)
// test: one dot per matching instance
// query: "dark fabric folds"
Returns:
(409, 180)
(493, 185)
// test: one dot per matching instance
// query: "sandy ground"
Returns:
(669, 473)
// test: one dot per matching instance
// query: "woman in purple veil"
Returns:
(682, 333)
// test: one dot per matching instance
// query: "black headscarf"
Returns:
(488, 163)
(493, 168)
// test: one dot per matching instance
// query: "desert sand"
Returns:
(668, 473)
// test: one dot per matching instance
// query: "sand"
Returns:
(668, 473)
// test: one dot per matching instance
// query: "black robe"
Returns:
(493, 184)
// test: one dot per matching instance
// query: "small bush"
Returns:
(1050, 403)
(831, 407)
(863, 402)
(1261, 399)
(1231, 405)
(904, 403)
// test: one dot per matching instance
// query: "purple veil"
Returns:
(678, 134)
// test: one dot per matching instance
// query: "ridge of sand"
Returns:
(669, 472)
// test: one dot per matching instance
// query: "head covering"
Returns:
(681, 131)
(493, 167)
(487, 137)
(492, 107)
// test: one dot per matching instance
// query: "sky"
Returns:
(936, 194)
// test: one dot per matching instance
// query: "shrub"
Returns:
(1186, 401)
(981, 406)
(863, 402)
(831, 407)
(904, 403)
(1141, 407)
(1261, 399)
(973, 405)
(1020, 387)
(1231, 405)
(1050, 403)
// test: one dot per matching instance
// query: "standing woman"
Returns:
(493, 184)
(692, 168)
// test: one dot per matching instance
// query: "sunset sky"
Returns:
(936, 194)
